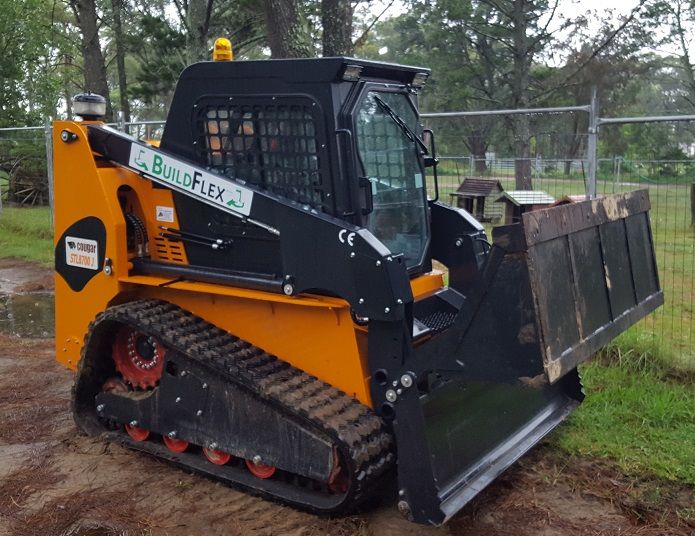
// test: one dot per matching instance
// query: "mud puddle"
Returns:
(27, 315)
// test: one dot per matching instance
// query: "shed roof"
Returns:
(477, 187)
(526, 197)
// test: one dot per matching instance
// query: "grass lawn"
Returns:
(639, 411)
(26, 233)
(640, 405)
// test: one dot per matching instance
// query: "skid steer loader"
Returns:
(254, 299)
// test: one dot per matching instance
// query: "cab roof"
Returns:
(302, 70)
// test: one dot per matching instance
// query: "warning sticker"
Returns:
(165, 214)
(82, 253)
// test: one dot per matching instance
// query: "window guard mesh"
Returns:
(271, 143)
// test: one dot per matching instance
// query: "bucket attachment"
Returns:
(593, 275)
(555, 289)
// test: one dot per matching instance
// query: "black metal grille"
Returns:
(439, 320)
(272, 144)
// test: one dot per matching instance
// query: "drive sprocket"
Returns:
(138, 357)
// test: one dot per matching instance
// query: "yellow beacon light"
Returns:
(222, 50)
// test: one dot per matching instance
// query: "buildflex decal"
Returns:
(81, 253)
(211, 188)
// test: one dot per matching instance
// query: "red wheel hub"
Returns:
(138, 357)
(175, 445)
(217, 456)
(137, 433)
(260, 470)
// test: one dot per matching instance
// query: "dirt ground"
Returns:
(54, 481)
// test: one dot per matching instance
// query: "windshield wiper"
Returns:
(402, 124)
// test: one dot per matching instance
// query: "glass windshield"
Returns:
(393, 168)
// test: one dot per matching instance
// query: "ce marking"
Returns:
(350, 238)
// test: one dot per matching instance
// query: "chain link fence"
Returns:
(25, 154)
(671, 183)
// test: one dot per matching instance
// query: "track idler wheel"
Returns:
(137, 433)
(260, 470)
(175, 445)
(217, 457)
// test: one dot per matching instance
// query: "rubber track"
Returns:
(352, 426)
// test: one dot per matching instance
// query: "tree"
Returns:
(94, 68)
(284, 29)
(336, 22)
(116, 9)
(678, 16)
(161, 47)
(492, 54)
(198, 25)
(482, 53)
(597, 59)
(521, 36)
(29, 84)
(160, 51)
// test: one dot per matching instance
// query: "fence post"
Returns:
(620, 164)
(48, 132)
(120, 120)
(592, 145)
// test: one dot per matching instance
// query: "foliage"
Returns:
(161, 56)
(481, 55)
(26, 80)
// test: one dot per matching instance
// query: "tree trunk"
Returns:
(95, 79)
(117, 6)
(198, 22)
(68, 99)
(284, 29)
(478, 148)
(521, 127)
(336, 20)
(684, 59)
